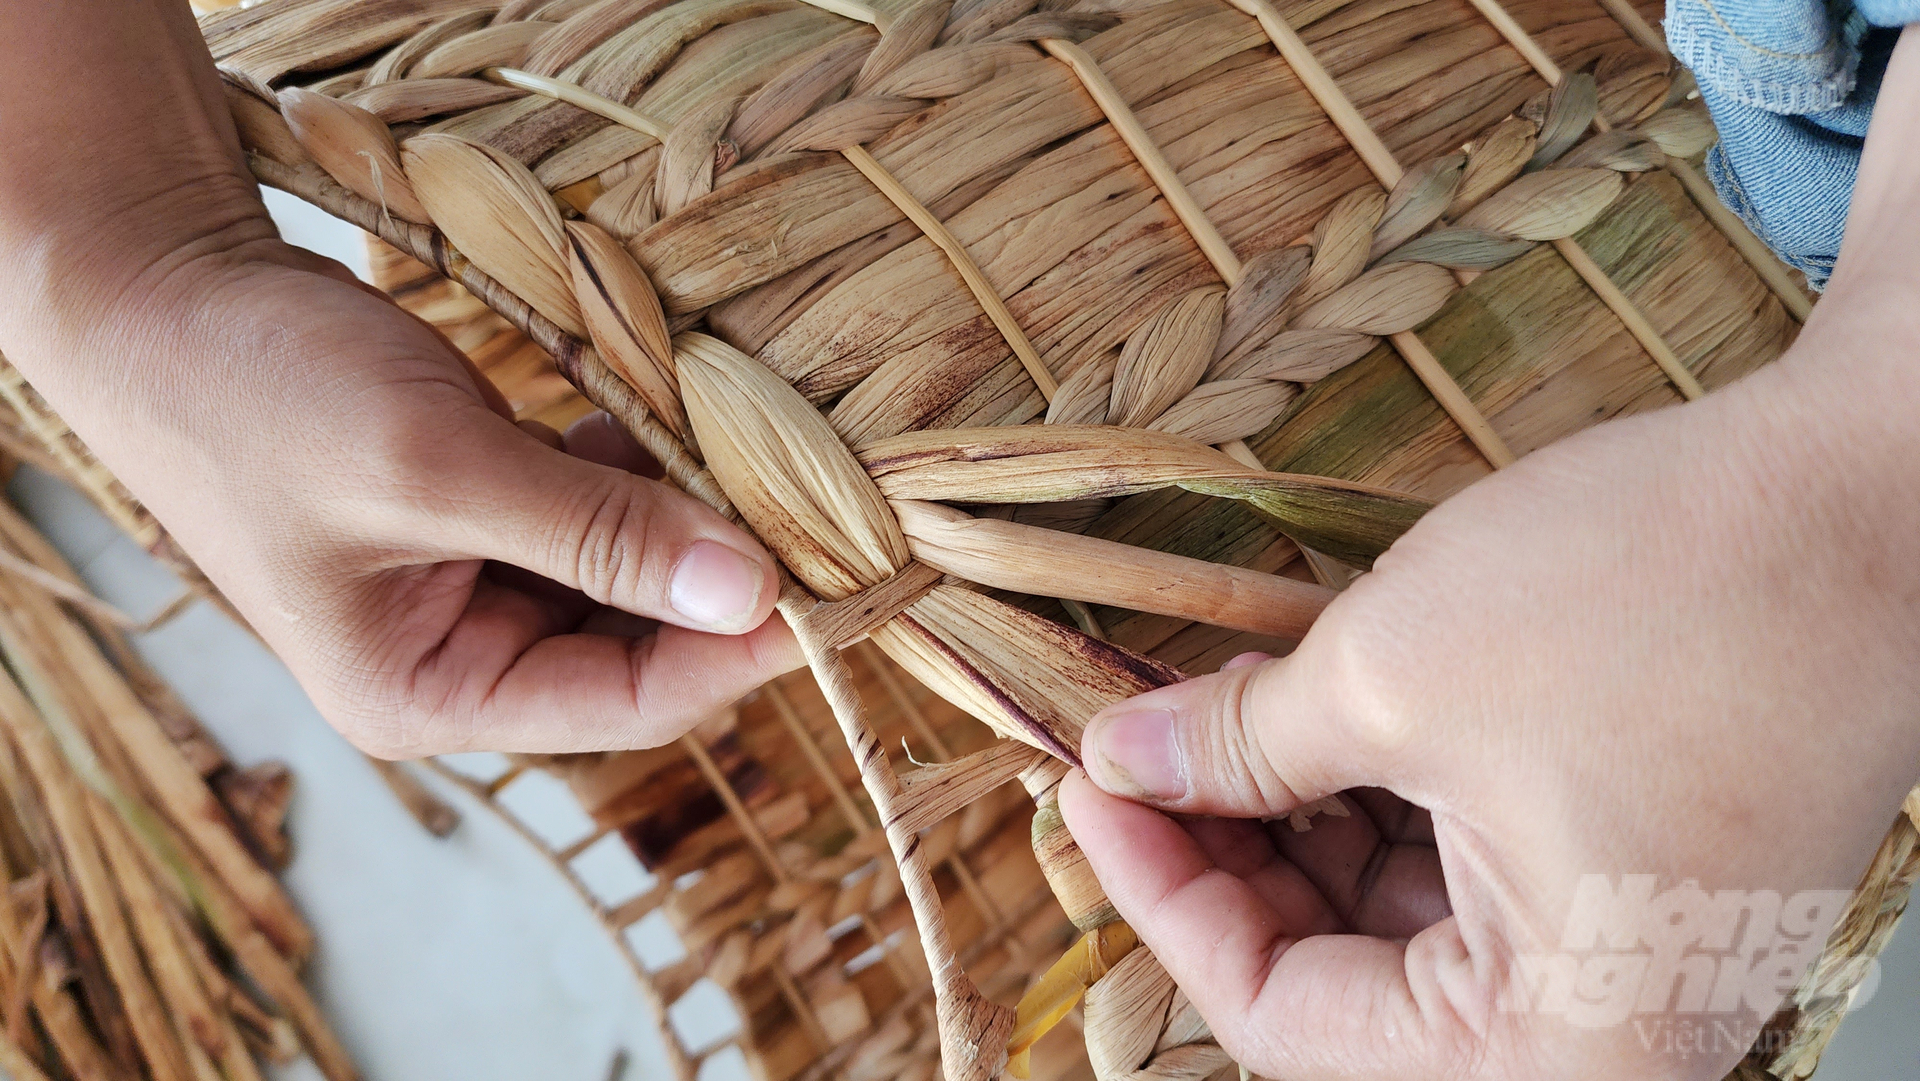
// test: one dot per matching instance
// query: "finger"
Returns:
(505, 678)
(1248, 742)
(599, 438)
(1242, 848)
(622, 540)
(1282, 1004)
(1244, 659)
(543, 432)
(1377, 887)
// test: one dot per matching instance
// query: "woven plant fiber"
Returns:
(947, 299)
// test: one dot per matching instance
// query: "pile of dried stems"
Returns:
(1035, 337)
(143, 933)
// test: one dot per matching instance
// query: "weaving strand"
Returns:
(756, 178)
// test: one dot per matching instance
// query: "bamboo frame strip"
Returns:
(1609, 293)
(678, 1062)
(756, 837)
(1517, 36)
(1333, 101)
(1147, 153)
(971, 1026)
(790, 717)
(68, 592)
(581, 98)
(862, 826)
(1634, 319)
(801, 1008)
(970, 271)
(1760, 257)
(1637, 27)
(896, 193)
(1386, 169)
(1452, 398)
(1185, 207)
(1751, 248)
(916, 717)
(969, 882)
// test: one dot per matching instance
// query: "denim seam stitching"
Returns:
(1712, 67)
(1826, 47)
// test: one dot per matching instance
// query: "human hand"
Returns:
(438, 578)
(1679, 645)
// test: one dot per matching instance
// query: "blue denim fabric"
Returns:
(1791, 85)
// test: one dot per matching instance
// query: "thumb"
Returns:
(621, 539)
(1250, 741)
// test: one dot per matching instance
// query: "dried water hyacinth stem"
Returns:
(1749, 246)
(973, 1028)
(91, 811)
(1580, 115)
(1055, 462)
(935, 230)
(1389, 172)
(962, 1009)
(1405, 215)
(1047, 562)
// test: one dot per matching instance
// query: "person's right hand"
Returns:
(1681, 645)
(1673, 646)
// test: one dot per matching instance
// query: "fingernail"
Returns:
(1136, 755)
(715, 587)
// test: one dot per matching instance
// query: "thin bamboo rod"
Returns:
(1185, 207)
(1609, 293)
(896, 193)
(1333, 100)
(802, 1009)
(1636, 26)
(790, 717)
(581, 98)
(1517, 36)
(1632, 317)
(973, 1029)
(77, 596)
(678, 1063)
(970, 272)
(731, 799)
(1751, 248)
(1147, 153)
(1440, 383)
(1386, 169)
(903, 701)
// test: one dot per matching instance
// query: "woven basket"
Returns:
(1308, 268)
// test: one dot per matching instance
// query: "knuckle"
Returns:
(659, 713)
(1242, 754)
(1366, 667)
(604, 539)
